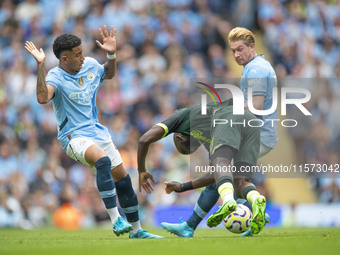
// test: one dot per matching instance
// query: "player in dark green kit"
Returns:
(224, 135)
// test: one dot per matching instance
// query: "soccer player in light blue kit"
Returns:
(259, 75)
(72, 87)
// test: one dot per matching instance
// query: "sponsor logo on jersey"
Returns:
(81, 81)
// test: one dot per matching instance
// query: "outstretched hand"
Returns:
(145, 182)
(172, 186)
(109, 40)
(39, 55)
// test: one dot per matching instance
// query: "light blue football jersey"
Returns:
(260, 76)
(74, 101)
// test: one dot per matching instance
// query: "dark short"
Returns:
(245, 140)
(224, 151)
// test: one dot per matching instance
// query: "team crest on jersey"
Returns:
(81, 81)
(90, 76)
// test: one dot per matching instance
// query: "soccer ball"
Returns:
(238, 221)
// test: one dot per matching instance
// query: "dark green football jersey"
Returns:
(191, 122)
(232, 130)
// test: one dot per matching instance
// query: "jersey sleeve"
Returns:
(257, 79)
(100, 69)
(171, 124)
(52, 78)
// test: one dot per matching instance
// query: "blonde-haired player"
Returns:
(259, 76)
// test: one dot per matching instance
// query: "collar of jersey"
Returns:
(261, 55)
(63, 71)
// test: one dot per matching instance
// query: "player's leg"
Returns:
(126, 195)
(94, 155)
(245, 159)
(264, 150)
(245, 189)
(88, 153)
(225, 142)
(221, 159)
(258, 203)
(206, 201)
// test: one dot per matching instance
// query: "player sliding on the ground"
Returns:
(224, 143)
(72, 87)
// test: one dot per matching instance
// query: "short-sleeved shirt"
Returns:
(259, 75)
(74, 101)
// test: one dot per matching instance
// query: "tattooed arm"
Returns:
(44, 92)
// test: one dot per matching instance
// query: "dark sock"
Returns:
(105, 183)
(206, 201)
(127, 199)
(222, 180)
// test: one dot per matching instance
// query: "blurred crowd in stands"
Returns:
(161, 45)
(303, 38)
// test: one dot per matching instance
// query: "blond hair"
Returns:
(241, 34)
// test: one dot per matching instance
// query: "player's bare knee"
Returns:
(118, 172)
(93, 154)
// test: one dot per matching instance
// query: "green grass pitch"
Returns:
(300, 241)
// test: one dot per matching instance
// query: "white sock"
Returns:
(136, 226)
(114, 214)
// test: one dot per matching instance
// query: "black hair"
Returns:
(65, 42)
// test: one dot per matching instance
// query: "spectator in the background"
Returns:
(8, 160)
(151, 62)
(120, 129)
(27, 10)
(10, 211)
(216, 60)
(21, 84)
(70, 10)
(31, 158)
(298, 26)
